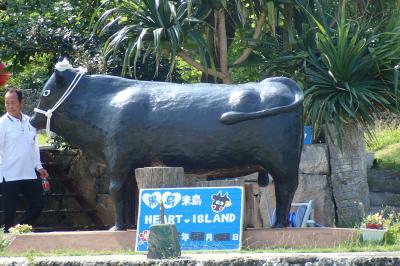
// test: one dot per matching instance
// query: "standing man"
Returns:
(19, 157)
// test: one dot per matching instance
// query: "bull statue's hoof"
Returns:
(117, 227)
(280, 225)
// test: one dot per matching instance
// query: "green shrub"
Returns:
(392, 225)
(21, 229)
(4, 240)
(30, 80)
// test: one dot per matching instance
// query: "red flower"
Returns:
(374, 226)
(144, 236)
(4, 75)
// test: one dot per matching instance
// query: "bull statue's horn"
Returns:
(63, 65)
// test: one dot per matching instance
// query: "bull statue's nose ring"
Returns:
(49, 113)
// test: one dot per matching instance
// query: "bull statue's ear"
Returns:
(58, 76)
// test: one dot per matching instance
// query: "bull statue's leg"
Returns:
(117, 193)
(263, 178)
(119, 171)
(285, 187)
(284, 196)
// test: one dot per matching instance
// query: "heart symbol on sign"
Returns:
(170, 200)
(152, 200)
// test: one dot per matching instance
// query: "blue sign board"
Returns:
(207, 218)
(307, 135)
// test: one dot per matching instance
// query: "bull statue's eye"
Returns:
(46, 93)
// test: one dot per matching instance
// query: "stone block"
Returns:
(314, 160)
(105, 209)
(83, 179)
(317, 189)
(384, 199)
(384, 180)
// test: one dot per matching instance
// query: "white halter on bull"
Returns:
(61, 66)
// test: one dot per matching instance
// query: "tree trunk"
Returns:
(288, 12)
(159, 177)
(349, 174)
(223, 46)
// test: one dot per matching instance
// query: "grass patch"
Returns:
(389, 157)
(386, 146)
(361, 247)
(349, 246)
(65, 252)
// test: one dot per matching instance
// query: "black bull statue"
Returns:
(128, 124)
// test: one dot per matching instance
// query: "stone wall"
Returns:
(92, 181)
(315, 184)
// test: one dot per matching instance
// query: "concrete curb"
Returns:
(125, 240)
(309, 259)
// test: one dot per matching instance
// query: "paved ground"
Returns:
(309, 259)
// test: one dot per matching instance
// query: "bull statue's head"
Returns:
(55, 92)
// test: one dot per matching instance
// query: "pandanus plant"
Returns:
(352, 72)
(198, 32)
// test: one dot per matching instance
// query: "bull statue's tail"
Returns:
(233, 117)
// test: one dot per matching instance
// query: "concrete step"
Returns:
(61, 217)
(384, 180)
(65, 207)
(386, 209)
(53, 201)
(384, 199)
(58, 212)
(57, 227)
(52, 195)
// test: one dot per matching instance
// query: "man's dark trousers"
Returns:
(33, 193)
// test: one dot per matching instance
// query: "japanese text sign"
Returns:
(207, 218)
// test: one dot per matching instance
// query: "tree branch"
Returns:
(256, 36)
(188, 59)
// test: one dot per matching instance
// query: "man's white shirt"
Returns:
(19, 150)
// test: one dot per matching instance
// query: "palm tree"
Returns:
(351, 75)
(198, 31)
